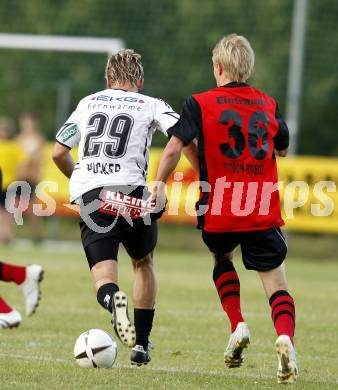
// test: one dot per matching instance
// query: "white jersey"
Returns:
(113, 129)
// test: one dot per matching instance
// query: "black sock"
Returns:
(105, 295)
(143, 320)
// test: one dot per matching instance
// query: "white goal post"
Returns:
(65, 44)
(60, 43)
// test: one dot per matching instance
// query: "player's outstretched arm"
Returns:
(169, 159)
(191, 153)
(168, 162)
(63, 160)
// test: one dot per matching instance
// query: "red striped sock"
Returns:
(228, 288)
(4, 308)
(12, 273)
(283, 313)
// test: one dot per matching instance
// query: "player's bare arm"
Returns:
(168, 162)
(191, 153)
(183, 137)
(63, 160)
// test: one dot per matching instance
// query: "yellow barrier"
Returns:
(298, 177)
(306, 170)
(311, 170)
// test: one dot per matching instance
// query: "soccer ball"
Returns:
(95, 348)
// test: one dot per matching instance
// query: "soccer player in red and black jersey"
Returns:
(239, 131)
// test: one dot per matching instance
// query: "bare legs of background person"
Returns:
(6, 226)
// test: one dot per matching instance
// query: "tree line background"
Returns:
(175, 38)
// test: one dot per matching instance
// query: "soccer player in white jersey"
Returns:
(114, 129)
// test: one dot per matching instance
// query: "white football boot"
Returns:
(10, 320)
(287, 364)
(31, 287)
(123, 327)
(240, 339)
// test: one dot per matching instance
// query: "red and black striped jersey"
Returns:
(237, 128)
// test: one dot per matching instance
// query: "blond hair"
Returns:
(236, 56)
(125, 67)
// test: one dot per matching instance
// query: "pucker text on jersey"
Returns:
(103, 168)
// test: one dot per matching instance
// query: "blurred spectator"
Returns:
(7, 128)
(10, 159)
(32, 144)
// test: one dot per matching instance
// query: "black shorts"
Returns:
(262, 250)
(138, 240)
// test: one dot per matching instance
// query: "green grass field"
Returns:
(190, 330)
